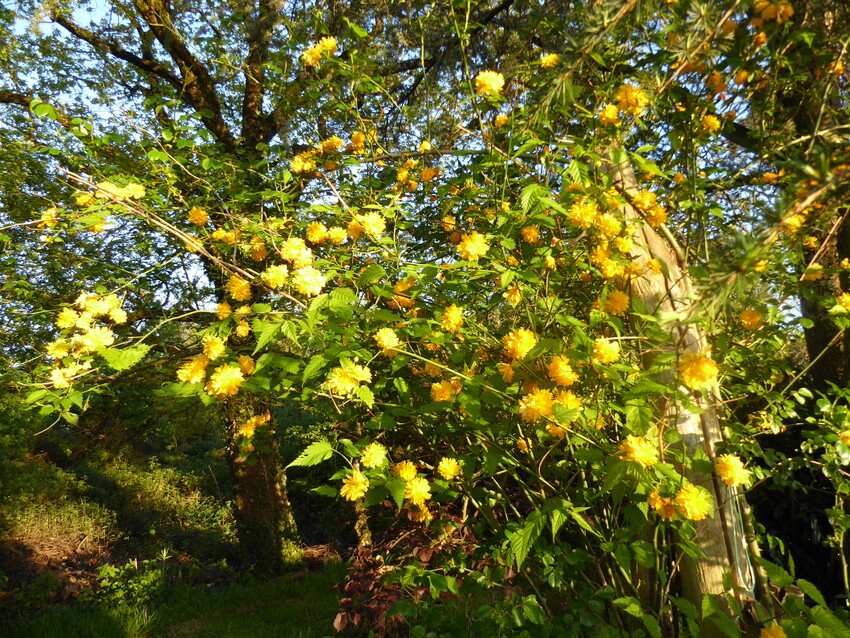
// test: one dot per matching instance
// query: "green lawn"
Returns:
(300, 605)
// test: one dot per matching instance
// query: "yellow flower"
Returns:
(387, 341)
(524, 444)
(223, 311)
(345, 379)
(697, 371)
(693, 503)
(336, 235)
(518, 343)
(214, 347)
(417, 490)
(224, 382)
(452, 318)
(530, 234)
(644, 200)
(442, 391)
(420, 515)
(843, 300)
(67, 318)
(243, 329)
(94, 338)
(616, 303)
(198, 216)
(58, 349)
(773, 631)
(751, 319)
(663, 505)
(609, 114)
(582, 213)
(731, 469)
(372, 223)
(225, 236)
(638, 450)
(246, 364)
(194, 370)
(536, 405)
(506, 370)
(500, 120)
(549, 60)
(250, 426)
(327, 45)
(405, 470)
(373, 455)
(448, 468)
(238, 288)
(513, 294)
(473, 246)
(710, 123)
(354, 486)
(561, 372)
(605, 351)
(489, 83)
(715, 82)
(631, 100)
(813, 273)
(308, 281)
(568, 400)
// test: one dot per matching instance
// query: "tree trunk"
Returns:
(721, 537)
(267, 534)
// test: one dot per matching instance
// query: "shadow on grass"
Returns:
(299, 605)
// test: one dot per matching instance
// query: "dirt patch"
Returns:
(62, 569)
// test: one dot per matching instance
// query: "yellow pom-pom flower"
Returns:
(536, 405)
(731, 470)
(354, 486)
(693, 503)
(238, 288)
(224, 382)
(387, 341)
(638, 450)
(448, 468)
(308, 281)
(373, 455)
(561, 372)
(346, 379)
(518, 343)
(473, 246)
(452, 319)
(405, 470)
(616, 303)
(605, 351)
(489, 83)
(751, 319)
(417, 490)
(697, 371)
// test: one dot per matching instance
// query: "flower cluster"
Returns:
(313, 55)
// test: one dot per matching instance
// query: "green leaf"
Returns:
(316, 363)
(522, 540)
(630, 605)
(264, 331)
(313, 455)
(373, 273)
(325, 490)
(778, 576)
(812, 592)
(124, 358)
(532, 610)
(43, 109)
(365, 394)
(396, 488)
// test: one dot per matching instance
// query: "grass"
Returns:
(300, 605)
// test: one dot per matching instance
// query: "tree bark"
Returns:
(266, 530)
(720, 538)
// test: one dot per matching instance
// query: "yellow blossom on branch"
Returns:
(405, 470)
(194, 370)
(609, 114)
(224, 382)
(452, 319)
(616, 303)
(731, 470)
(549, 60)
(488, 83)
(198, 216)
(697, 371)
(448, 468)
(238, 288)
(631, 100)
(373, 455)
(473, 246)
(536, 405)
(750, 319)
(417, 490)
(518, 343)
(561, 372)
(605, 351)
(354, 486)
(213, 347)
(308, 281)
(347, 378)
(247, 365)
(387, 341)
(638, 450)
(694, 503)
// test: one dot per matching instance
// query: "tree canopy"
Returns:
(559, 270)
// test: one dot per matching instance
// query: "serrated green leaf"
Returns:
(124, 358)
(372, 273)
(777, 575)
(316, 363)
(812, 592)
(521, 541)
(264, 331)
(313, 455)
(325, 490)
(396, 488)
